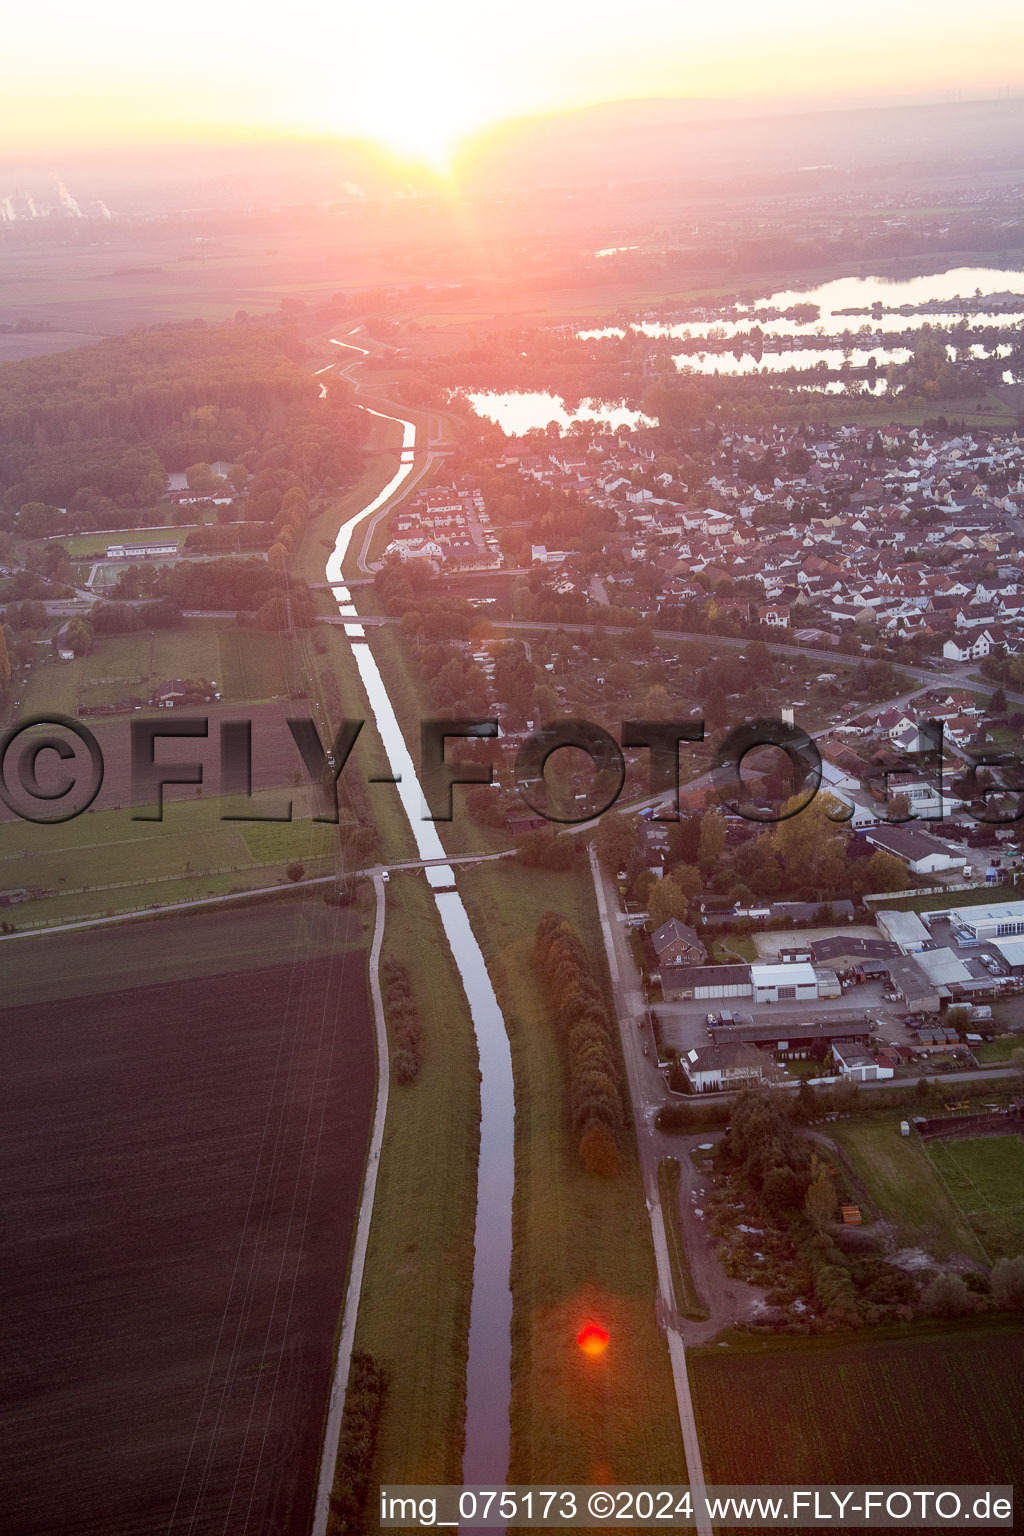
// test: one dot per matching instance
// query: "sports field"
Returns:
(985, 1176)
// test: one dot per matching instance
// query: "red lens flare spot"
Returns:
(593, 1339)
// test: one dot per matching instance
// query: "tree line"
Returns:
(588, 1036)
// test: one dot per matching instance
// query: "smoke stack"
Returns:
(66, 200)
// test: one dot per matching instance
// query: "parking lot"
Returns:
(685, 1025)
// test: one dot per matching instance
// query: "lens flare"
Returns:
(593, 1339)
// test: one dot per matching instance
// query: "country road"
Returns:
(357, 1258)
(630, 1011)
(926, 678)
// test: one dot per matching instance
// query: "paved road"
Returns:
(357, 1259)
(630, 1009)
(954, 678)
(157, 910)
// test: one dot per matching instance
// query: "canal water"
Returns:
(488, 1375)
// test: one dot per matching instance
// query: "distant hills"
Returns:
(663, 139)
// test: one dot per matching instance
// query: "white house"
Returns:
(727, 1065)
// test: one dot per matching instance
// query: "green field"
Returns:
(246, 665)
(87, 546)
(999, 1050)
(904, 1188)
(105, 861)
(899, 1410)
(582, 1248)
(414, 1304)
(985, 1176)
(256, 665)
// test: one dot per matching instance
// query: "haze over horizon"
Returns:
(420, 83)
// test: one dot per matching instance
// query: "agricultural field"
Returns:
(985, 1176)
(181, 1164)
(937, 1410)
(903, 1186)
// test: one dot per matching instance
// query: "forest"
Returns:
(104, 425)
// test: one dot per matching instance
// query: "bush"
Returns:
(1008, 1284)
(947, 1296)
(404, 1022)
(360, 1426)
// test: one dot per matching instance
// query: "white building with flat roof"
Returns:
(795, 982)
(986, 923)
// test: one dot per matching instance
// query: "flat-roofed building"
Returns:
(986, 923)
(795, 982)
(165, 550)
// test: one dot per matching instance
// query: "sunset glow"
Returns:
(418, 80)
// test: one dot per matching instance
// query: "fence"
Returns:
(913, 892)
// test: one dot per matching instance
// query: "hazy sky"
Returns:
(418, 73)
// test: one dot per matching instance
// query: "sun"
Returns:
(420, 114)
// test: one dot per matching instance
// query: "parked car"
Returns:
(712, 1018)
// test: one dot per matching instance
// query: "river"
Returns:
(488, 1373)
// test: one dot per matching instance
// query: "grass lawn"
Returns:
(245, 664)
(985, 1176)
(582, 1247)
(734, 948)
(687, 1296)
(84, 546)
(414, 1307)
(999, 1050)
(983, 895)
(903, 1186)
(52, 688)
(257, 665)
(146, 861)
